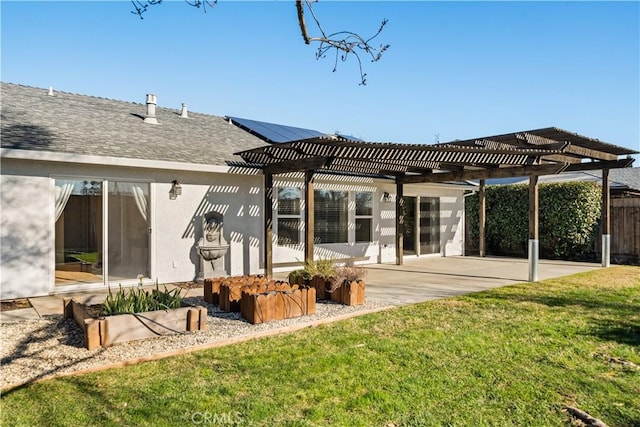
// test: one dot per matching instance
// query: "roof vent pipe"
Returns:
(150, 117)
(184, 112)
(50, 91)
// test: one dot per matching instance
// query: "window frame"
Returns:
(358, 216)
(291, 216)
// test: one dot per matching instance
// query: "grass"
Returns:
(508, 356)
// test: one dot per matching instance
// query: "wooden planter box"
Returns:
(278, 305)
(108, 330)
(349, 293)
(321, 284)
(231, 290)
(212, 288)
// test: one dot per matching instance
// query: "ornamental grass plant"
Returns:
(138, 300)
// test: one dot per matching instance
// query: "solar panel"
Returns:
(349, 137)
(275, 133)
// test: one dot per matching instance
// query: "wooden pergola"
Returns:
(530, 153)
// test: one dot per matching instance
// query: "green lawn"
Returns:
(509, 356)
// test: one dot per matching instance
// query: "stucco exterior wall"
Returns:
(178, 222)
(24, 232)
(28, 231)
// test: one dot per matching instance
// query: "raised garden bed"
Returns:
(277, 305)
(259, 299)
(108, 330)
(227, 291)
(343, 285)
(348, 292)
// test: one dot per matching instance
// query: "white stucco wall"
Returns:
(178, 222)
(27, 226)
(28, 231)
(25, 233)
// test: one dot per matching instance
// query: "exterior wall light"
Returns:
(386, 197)
(176, 190)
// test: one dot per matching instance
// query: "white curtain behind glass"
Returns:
(141, 200)
(63, 192)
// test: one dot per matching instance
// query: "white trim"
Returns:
(105, 232)
(153, 187)
(52, 235)
(50, 156)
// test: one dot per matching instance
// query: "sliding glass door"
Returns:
(429, 225)
(101, 236)
(421, 225)
(79, 225)
(128, 231)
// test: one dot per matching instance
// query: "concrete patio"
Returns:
(424, 279)
(419, 279)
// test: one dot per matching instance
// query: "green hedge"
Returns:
(569, 217)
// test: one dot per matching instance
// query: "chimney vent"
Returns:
(184, 113)
(150, 117)
(50, 93)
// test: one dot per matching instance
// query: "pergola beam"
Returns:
(615, 164)
(299, 165)
(571, 150)
(507, 172)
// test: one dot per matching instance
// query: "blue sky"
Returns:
(455, 69)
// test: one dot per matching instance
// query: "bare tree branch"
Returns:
(343, 43)
(141, 6)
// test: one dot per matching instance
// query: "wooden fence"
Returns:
(625, 231)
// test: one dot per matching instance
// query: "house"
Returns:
(97, 192)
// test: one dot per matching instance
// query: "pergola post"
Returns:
(606, 222)
(482, 220)
(533, 228)
(399, 223)
(309, 217)
(268, 225)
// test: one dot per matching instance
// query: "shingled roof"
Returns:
(87, 125)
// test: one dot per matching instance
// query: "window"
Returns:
(288, 231)
(331, 216)
(364, 215)
(83, 209)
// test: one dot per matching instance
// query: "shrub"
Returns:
(321, 267)
(348, 273)
(569, 216)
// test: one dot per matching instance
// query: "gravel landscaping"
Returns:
(34, 349)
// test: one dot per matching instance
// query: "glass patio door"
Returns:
(78, 228)
(128, 231)
(409, 236)
(429, 225)
(101, 236)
